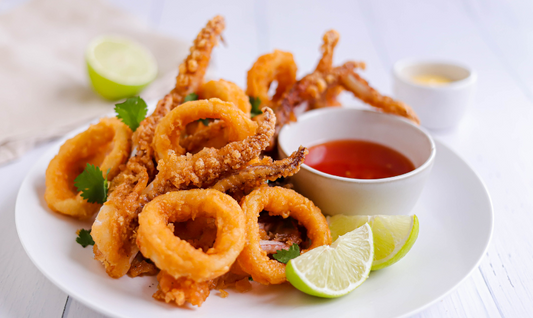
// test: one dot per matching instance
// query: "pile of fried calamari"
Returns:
(193, 197)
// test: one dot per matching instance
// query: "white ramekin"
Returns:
(338, 195)
(438, 106)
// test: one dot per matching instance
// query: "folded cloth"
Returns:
(44, 88)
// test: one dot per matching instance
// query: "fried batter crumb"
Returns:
(223, 293)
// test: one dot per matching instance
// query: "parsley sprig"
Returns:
(92, 184)
(256, 102)
(190, 97)
(84, 238)
(132, 111)
(285, 256)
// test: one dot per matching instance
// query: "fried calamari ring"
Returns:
(226, 91)
(106, 145)
(276, 66)
(167, 135)
(114, 231)
(176, 256)
(283, 202)
(214, 135)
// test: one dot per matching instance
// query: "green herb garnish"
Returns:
(256, 102)
(132, 112)
(190, 97)
(92, 184)
(84, 238)
(285, 256)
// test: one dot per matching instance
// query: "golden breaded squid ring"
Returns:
(226, 91)
(214, 135)
(106, 145)
(176, 256)
(276, 66)
(283, 202)
(239, 126)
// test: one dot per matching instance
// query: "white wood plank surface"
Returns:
(24, 291)
(495, 37)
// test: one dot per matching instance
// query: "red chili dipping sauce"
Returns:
(358, 159)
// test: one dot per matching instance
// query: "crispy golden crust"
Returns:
(212, 135)
(320, 88)
(176, 256)
(238, 124)
(226, 91)
(141, 266)
(276, 66)
(114, 228)
(181, 290)
(192, 70)
(283, 202)
(106, 144)
(205, 167)
(330, 38)
(255, 174)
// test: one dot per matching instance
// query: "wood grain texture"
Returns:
(24, 291)
(495, 37)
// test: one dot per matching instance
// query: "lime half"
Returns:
(334, 271)
(118, 67)
(394, 235)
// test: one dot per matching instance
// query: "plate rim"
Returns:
(75, 295)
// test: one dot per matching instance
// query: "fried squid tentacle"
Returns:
(192, 70)
(331, 38)
(352, 82)
(209, 164)
(320, 88)
(114, 228)
(256, 174)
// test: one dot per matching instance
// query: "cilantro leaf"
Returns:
(285, 256)
(92, 184)
(190, 97)
(204, 121)
(84, 238)
(255, 106)
(132, 111)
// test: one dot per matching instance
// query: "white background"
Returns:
(494, 37)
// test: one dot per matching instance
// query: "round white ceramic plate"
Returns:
(456, 223)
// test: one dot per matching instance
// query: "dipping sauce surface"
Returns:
(358, 159)
(428, 79)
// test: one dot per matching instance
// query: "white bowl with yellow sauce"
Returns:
(438, 91)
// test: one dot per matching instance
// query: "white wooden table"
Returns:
(495, 37)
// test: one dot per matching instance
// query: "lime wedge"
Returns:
(394, 235)
(334, 271)
(118, 67)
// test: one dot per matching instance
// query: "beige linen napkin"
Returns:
(44, 89)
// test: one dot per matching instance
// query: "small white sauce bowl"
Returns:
(438, 106)
(339, 195)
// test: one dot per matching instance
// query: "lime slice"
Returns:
(118, 67)
(394, 235)
(334, 271)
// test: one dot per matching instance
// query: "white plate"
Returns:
(456, 221)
